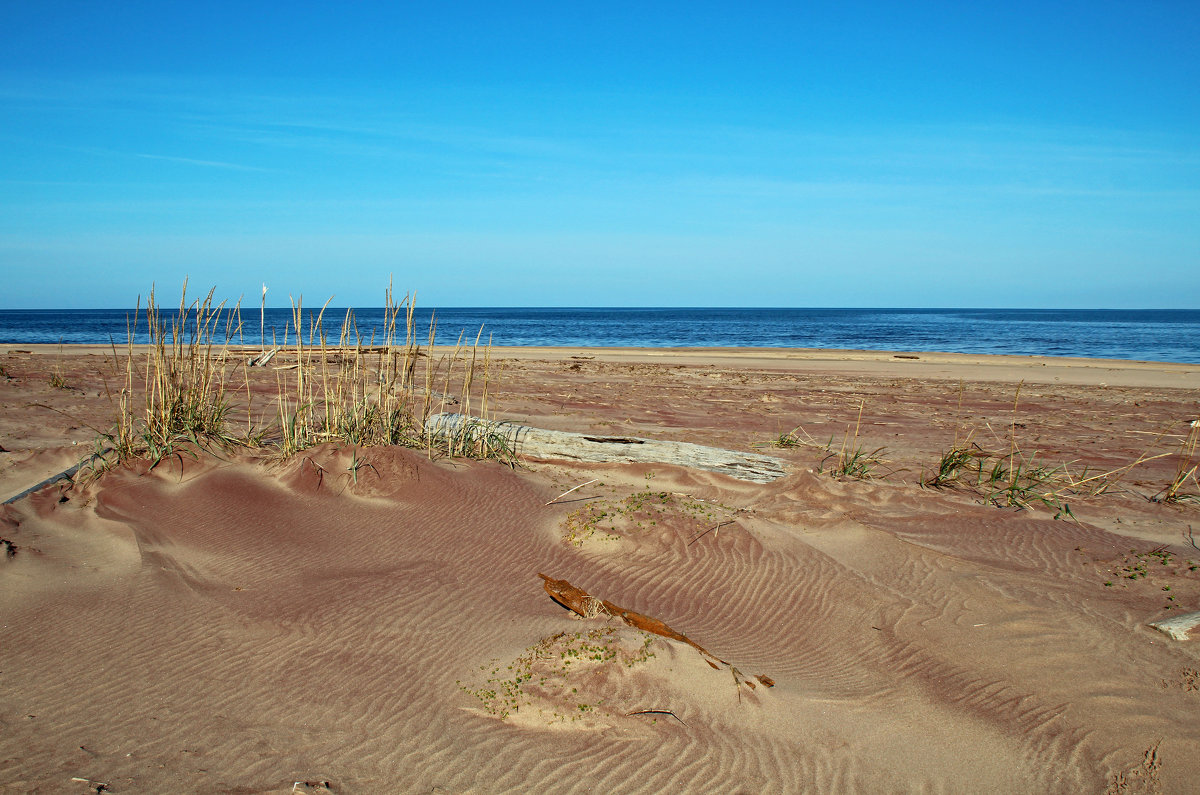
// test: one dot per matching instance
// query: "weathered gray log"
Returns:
(263, 358)
(528, 442)
(1179, 626)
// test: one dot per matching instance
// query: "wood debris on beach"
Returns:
(585, 605)
(531, 442)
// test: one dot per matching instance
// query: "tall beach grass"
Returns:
(195, 386)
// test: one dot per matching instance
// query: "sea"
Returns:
(1135, 334)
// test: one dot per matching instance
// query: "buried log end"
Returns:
(1178, 627)
(574, 599)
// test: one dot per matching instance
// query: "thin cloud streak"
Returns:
(194, 162)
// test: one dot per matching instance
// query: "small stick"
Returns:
(66, 474)
(568, 491)
(657, 712)
(718, 526)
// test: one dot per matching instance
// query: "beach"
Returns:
(371, 619)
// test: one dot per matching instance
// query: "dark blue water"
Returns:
(1152, 335)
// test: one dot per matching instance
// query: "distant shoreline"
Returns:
(929, 365)
(1133, 335)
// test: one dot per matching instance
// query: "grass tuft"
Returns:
(473, 437)
(1185, 473)
(184, 393)
(182, 386)
(853, 460)
(1014, 479)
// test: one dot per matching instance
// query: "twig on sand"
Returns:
(66, 474)
(657, 712)
(717, 526)
(568, 491)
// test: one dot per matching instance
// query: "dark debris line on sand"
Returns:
(66, 474)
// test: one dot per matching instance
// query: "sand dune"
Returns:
(370, 620)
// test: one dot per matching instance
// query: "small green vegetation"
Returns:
(852, 459)
(855, 462)
(612, 518)
(550, 673)
(1018, 482)
(1136, 564)
(475, 438)
(791, 438)
(1156, 571)
(1006, 480)
(955, 462)
(584, 523)
(356, 464)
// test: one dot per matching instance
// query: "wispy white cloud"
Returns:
(194, 162)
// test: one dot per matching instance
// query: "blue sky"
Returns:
(555, 154)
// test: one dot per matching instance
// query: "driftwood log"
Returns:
(528, 442)
(584, 604)
(261, 359)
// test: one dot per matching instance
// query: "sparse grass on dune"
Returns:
(1017, 480)
(1012, 477)
(193, 387)
(193, 381)
(851, 460)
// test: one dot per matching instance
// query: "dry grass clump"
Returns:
(182, 385)
(358, 392)
(471, 437)
(1185, 472)
(1004, 474)
(186, 390)
(1014, 479)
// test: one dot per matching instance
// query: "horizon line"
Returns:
(608, 307)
